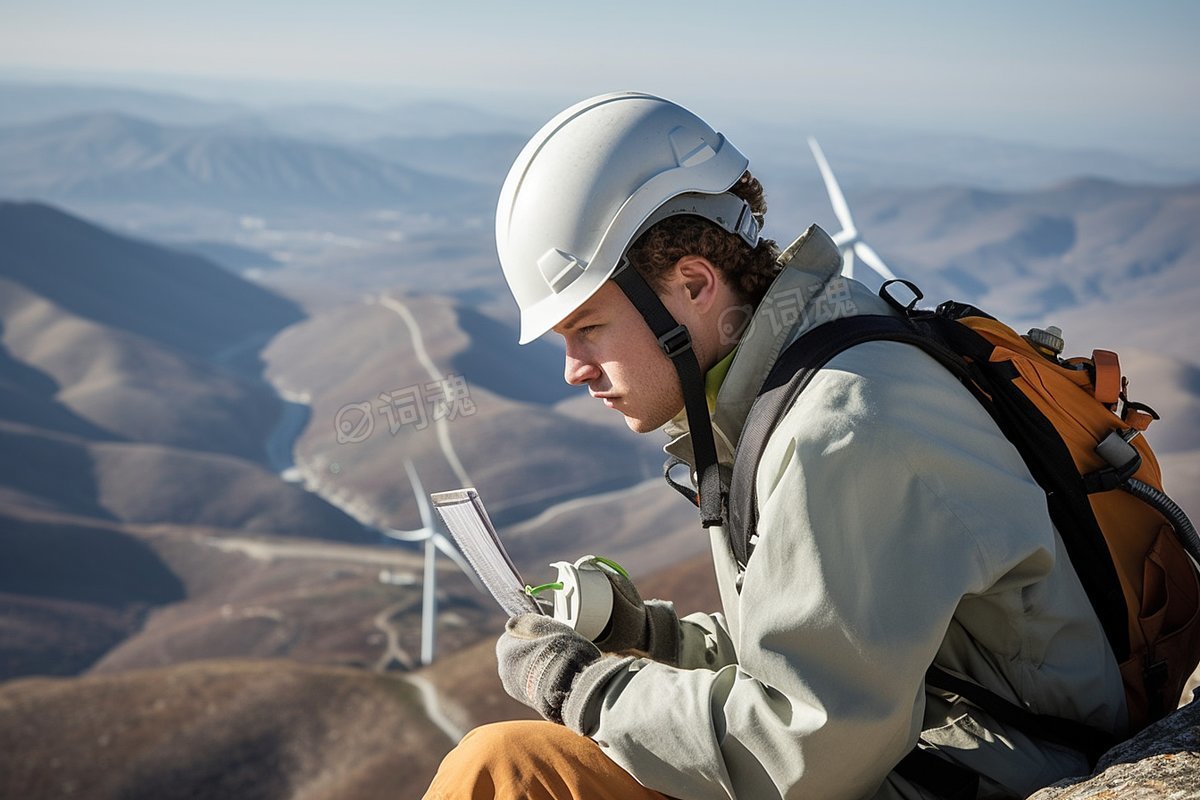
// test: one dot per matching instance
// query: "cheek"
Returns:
(657, 386)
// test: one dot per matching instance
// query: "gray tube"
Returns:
(1167, 507)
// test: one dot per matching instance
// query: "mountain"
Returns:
(1086, 247)
(24, 103)
(359, 366)
(479, 157)
(117, 339)
(140, 288)
(132, 396)
(436, 119)
(113, 158)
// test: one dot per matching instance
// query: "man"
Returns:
(897, 528)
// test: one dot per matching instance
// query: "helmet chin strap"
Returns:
(676, 342)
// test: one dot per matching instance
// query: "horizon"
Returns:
(1076, 75)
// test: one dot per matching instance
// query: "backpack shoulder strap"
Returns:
(794, 370)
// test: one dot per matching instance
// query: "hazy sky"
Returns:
(1118, 74)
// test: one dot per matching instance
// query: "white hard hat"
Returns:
(591, 181)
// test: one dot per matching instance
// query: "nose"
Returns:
(578, 370)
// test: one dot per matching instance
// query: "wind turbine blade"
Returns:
(840, 209)
(422, 500)
(872, 260)
(408, 536)
(451, 552)
(848, 262)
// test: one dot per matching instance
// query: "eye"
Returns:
(587, 330)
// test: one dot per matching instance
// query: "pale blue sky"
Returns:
(1124, 75)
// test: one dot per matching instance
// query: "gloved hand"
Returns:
(539, 657)
(650, 627)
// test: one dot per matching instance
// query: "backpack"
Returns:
(1079, 435)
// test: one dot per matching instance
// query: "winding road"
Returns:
(433, 709)
(443, 432)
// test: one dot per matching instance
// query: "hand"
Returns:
(649, 627)
(539, 657)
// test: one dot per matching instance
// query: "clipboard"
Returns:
(473, 532)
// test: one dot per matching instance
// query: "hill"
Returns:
(122, 402)
(111, 158)
(476, 157)
(179, 300)
(130, 393)
(358, 364)
(209, 730)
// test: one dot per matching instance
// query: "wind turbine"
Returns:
(848, 239)
(434, 541)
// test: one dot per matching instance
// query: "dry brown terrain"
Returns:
(217, 729)
(521, 454)
(274, 597)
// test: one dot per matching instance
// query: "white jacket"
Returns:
(897, 527)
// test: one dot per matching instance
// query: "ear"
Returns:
(699, 279)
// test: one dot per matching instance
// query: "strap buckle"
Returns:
(675, 342)
(885, 292)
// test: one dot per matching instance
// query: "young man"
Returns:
(897, 528)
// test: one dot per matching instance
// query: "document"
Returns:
(468, 521)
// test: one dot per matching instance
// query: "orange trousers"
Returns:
(532, 761)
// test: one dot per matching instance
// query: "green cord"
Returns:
(533, 591)
(608, 562)
(557, 586)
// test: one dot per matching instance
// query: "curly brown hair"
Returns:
(749, 271)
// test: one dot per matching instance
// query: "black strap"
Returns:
(1068, 733)
(676, 342)
(951, 781)
(687, 491)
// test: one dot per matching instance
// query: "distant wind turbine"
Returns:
(848, 239)
(434, 541)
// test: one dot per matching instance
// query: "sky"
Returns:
(1120, 75)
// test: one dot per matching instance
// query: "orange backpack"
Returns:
(1085, 400)
(1079, 434)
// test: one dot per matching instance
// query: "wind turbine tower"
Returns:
(434, 541)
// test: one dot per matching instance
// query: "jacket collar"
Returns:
(801, 297)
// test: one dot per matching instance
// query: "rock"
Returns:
(1160, 763)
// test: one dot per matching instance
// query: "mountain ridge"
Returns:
(114, 157)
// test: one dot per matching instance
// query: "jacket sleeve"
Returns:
(886, 495)
(704, 642)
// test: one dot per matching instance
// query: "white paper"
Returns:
(465, 516)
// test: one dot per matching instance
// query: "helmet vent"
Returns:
(560, 269)
(689, 148)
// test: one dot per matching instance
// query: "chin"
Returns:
(640, 425)
(647, 424)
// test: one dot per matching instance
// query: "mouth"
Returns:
(610, 401)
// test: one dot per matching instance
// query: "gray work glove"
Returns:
(539, 657)
(650, 627)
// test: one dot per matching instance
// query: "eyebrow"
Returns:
(572, 324)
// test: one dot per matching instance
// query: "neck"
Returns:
(724, 325)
